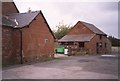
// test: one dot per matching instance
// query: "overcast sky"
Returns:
(103, 15)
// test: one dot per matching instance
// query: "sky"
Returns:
(103, 14)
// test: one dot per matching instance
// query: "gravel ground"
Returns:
(73, 67)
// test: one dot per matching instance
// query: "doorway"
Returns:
(81, 44)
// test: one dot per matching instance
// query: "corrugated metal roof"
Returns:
(81, 38)
(23, 19)
(93, 28)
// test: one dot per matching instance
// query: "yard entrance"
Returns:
(74, 67)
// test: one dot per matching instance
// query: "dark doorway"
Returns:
(81, 44)
(97, 48)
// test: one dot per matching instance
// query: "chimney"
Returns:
(29, 10)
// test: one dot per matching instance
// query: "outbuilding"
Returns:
(86, 38)
(26, 37)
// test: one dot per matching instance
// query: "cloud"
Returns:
(102, 14)
(111, 6)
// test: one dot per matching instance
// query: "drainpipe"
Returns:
(21, 55)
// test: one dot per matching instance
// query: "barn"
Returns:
(26, 37)
(86, 38)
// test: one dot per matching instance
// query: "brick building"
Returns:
(26, 36)
(87, 38)
(8, 8)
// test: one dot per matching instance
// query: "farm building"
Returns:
(86, 38)
(26, 36)
(8, 8)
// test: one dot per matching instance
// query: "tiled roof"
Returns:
(7, 22)
(20, 20)
(23, 19)
(93, 28)
(80, 38)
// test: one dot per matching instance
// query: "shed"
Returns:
(86, 37)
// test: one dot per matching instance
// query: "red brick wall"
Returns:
(79, 29)
(34, 46)
(8, 8)
(10, 45)
(33, 42)
(92, 45)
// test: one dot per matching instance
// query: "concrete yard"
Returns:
(72, 67)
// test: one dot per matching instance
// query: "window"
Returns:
(105, 45)
(100, 37)
(62, 43)
(97, 44)
(46, 40)
(70, 43)
(81, 44)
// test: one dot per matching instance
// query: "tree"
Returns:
(114, 41)
(62, 30)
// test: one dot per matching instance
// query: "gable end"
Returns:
(9, 8)
(47, 25)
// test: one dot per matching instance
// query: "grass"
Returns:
(115, 49)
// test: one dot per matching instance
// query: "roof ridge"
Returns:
(23, 13)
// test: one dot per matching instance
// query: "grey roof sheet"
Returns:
(23, 19)
(81, 38)
(93, 28)
(7, 22)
